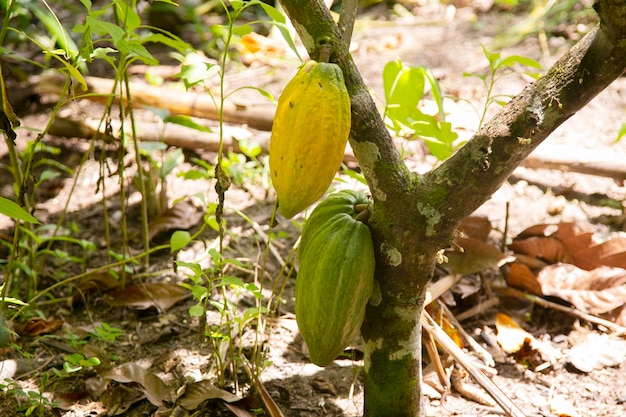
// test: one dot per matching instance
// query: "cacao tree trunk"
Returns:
(414, 216)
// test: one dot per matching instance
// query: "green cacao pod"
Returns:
(309, 135)
(336, 276)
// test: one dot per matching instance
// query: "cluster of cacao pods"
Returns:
(336, 275)
(309, 135)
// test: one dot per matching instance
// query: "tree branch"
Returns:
(346, 20)
(467, 179)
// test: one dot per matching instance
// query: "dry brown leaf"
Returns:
(477, 227)
(596, 292)
(612, 252)
(142, 296)
(198, 392)
(520, 276)
(476, 256)
(548, 249)
(118, 399)
(565, 242)
(152, 386)
(38, 326)
(181, 216)
(97, 282)
(239, 410)
(597, 351)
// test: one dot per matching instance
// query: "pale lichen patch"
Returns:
(393, 255)
(433, 217)
(370, 346)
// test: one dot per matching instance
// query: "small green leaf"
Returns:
(151, 146)
(179, 240)
(127, 15)
(103, 28)
(521, 60)
(103, 53)
(169, 40)
(195, 73)
(135, 48)
(492, 57)
(11, 209)
(172, 160)
(242, 30)
(187, 122)
(250, 148)
(196, 311)
(621, 133)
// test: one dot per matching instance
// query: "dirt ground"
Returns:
(444, 39)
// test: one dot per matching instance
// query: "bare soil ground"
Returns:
(169, 343)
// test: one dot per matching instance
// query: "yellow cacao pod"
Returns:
(336, 276)
(309, 135)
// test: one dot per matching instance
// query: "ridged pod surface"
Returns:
(309, 135)
(335, 277)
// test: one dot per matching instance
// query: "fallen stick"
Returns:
(613, 327)
(177, 102)
(602, 163)
(170, 134)
(447, 344)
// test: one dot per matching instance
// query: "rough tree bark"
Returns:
(414, 216)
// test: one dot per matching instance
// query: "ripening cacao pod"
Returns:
(336, 276)
(309, 135)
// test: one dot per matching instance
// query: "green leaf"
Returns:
(51, 22)
(172, 160)
(492, 57)
(196, 311)
(435, 91)
(170, 40)
(521, 60)
(195, 73)
(179, 240)
(135, 48)
(242, 30)
(404, 86)
(103, 28)
(273, 13)
(249, 148)
(151, 146)
(103, 53)
(14, 211)
(187, 122)
(621, 133)
(231, 281)
(127, 15)
(286, 33)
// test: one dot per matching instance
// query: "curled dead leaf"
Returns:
(598, 291)
(161, 296)
(520, 276)
(152, 386)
